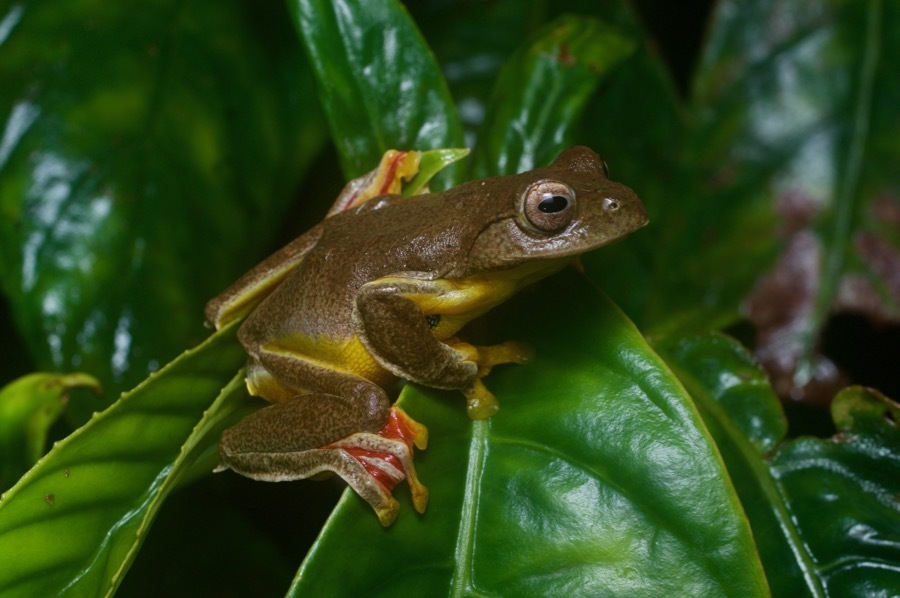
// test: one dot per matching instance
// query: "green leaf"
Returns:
(729, 388)
(790, 158)
(378, 81)
(843, 495)
(135, 142)
(824, 512)
(74, 522)
(431, 163)
(472, 41)
(541, 93)
(28, 407)
(596, 477)
(744, 416)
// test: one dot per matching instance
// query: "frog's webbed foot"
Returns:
(480, 402)
(375, 462)
(262, 447)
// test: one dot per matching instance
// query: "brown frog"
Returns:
(379, 291)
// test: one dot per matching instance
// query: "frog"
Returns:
(377, 293)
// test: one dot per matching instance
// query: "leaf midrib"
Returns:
(461, 582)
(848, 191)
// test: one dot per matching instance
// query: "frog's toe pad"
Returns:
(480, 402)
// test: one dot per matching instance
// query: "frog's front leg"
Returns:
(345, 425)
(481, 402)
(395, 329)
(406, 322)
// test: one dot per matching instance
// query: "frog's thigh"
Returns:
(299, 424)
(395, 330)
(287, 466)
(336, 396)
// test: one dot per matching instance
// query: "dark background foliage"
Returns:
(677, 33)
(266, 155)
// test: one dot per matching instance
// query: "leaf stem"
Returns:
(848, 190)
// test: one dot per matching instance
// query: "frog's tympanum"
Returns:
(378, 291)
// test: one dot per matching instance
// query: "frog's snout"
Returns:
(626, 210)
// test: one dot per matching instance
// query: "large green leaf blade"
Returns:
(378, 81)
(596, 477)
(73, 522)
(134, 144)
(541, 92)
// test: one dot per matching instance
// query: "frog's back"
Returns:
(424, 235)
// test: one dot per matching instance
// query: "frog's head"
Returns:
(560, 211)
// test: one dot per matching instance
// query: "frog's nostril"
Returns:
(610, 205)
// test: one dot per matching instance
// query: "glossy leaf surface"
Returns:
(432, 162)
(744, 416)
(28, 407)
(378, 81)
(135, 143)
(783, 167)
(596, 477)
(765, 146)
(541, 92)
(844, 494)
(73, 523)
(824, 512)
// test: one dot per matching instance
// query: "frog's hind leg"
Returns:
(279, 374)
(348, 429)
(278, 443)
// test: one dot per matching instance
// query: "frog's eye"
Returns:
(549, 206)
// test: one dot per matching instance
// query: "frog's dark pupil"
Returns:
(433, 320)
(553, 204)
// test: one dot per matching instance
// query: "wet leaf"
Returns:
(595, 478)
(134, 144)
(824, 512)
(744, 416)
(541, 92)
(844, 495)
(378, 81)
(502, 504)
(75, 521)
(28, 407)
(432, 162)
(794, 131)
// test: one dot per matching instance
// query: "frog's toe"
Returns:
(386, 458)
(480, 402)
(508, 352)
